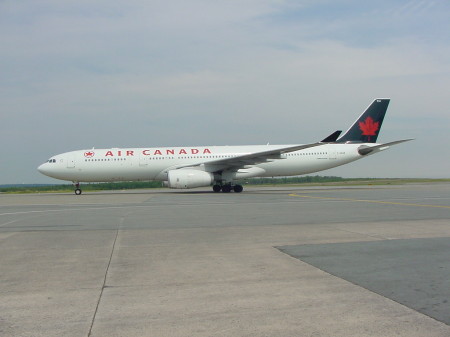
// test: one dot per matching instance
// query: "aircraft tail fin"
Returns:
(332, 138)
(368, 125)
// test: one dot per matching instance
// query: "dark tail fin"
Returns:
(332, 138)
(368, 125)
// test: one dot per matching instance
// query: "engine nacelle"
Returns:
(189, 178)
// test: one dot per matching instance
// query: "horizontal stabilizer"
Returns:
(364, 150)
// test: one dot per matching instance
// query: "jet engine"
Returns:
(185, 178)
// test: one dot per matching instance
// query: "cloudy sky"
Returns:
(146, 73)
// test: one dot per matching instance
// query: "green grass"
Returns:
(84, 187)
(291, 181)
(367, 182)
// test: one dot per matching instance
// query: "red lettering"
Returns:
(109, 153)
(148, 152)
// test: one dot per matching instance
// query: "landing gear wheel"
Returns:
(77, 188)
(226, 188)
(217, 188)
(238, 188)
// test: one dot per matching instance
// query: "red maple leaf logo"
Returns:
(89, 154)
(369, 127)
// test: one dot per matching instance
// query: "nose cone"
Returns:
(43, 169)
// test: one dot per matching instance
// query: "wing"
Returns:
(250, 159)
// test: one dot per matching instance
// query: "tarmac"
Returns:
(271, 261)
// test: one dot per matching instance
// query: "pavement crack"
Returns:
(119, 225)
(373, 236)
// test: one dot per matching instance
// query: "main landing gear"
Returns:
(77, 188)
(227, 188)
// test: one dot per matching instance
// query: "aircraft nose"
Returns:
(43, 168)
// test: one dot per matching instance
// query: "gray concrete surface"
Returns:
(159, 263)
(414, 272)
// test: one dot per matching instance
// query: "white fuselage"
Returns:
(144, 164)
(222, 166)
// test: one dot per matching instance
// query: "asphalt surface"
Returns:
(413, 272)
(369, 261)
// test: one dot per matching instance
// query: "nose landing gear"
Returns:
(77, 188)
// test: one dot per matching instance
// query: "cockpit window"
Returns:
(51, 161)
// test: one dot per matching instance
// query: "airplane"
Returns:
(221, 166)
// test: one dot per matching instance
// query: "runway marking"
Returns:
(6, 235)
(8, 223)
(62, 210)
(78, 208)
(369, 201)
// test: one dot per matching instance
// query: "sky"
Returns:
(149, 73)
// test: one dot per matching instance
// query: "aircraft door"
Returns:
(143, 160)
(71, 162)
(332, 153)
